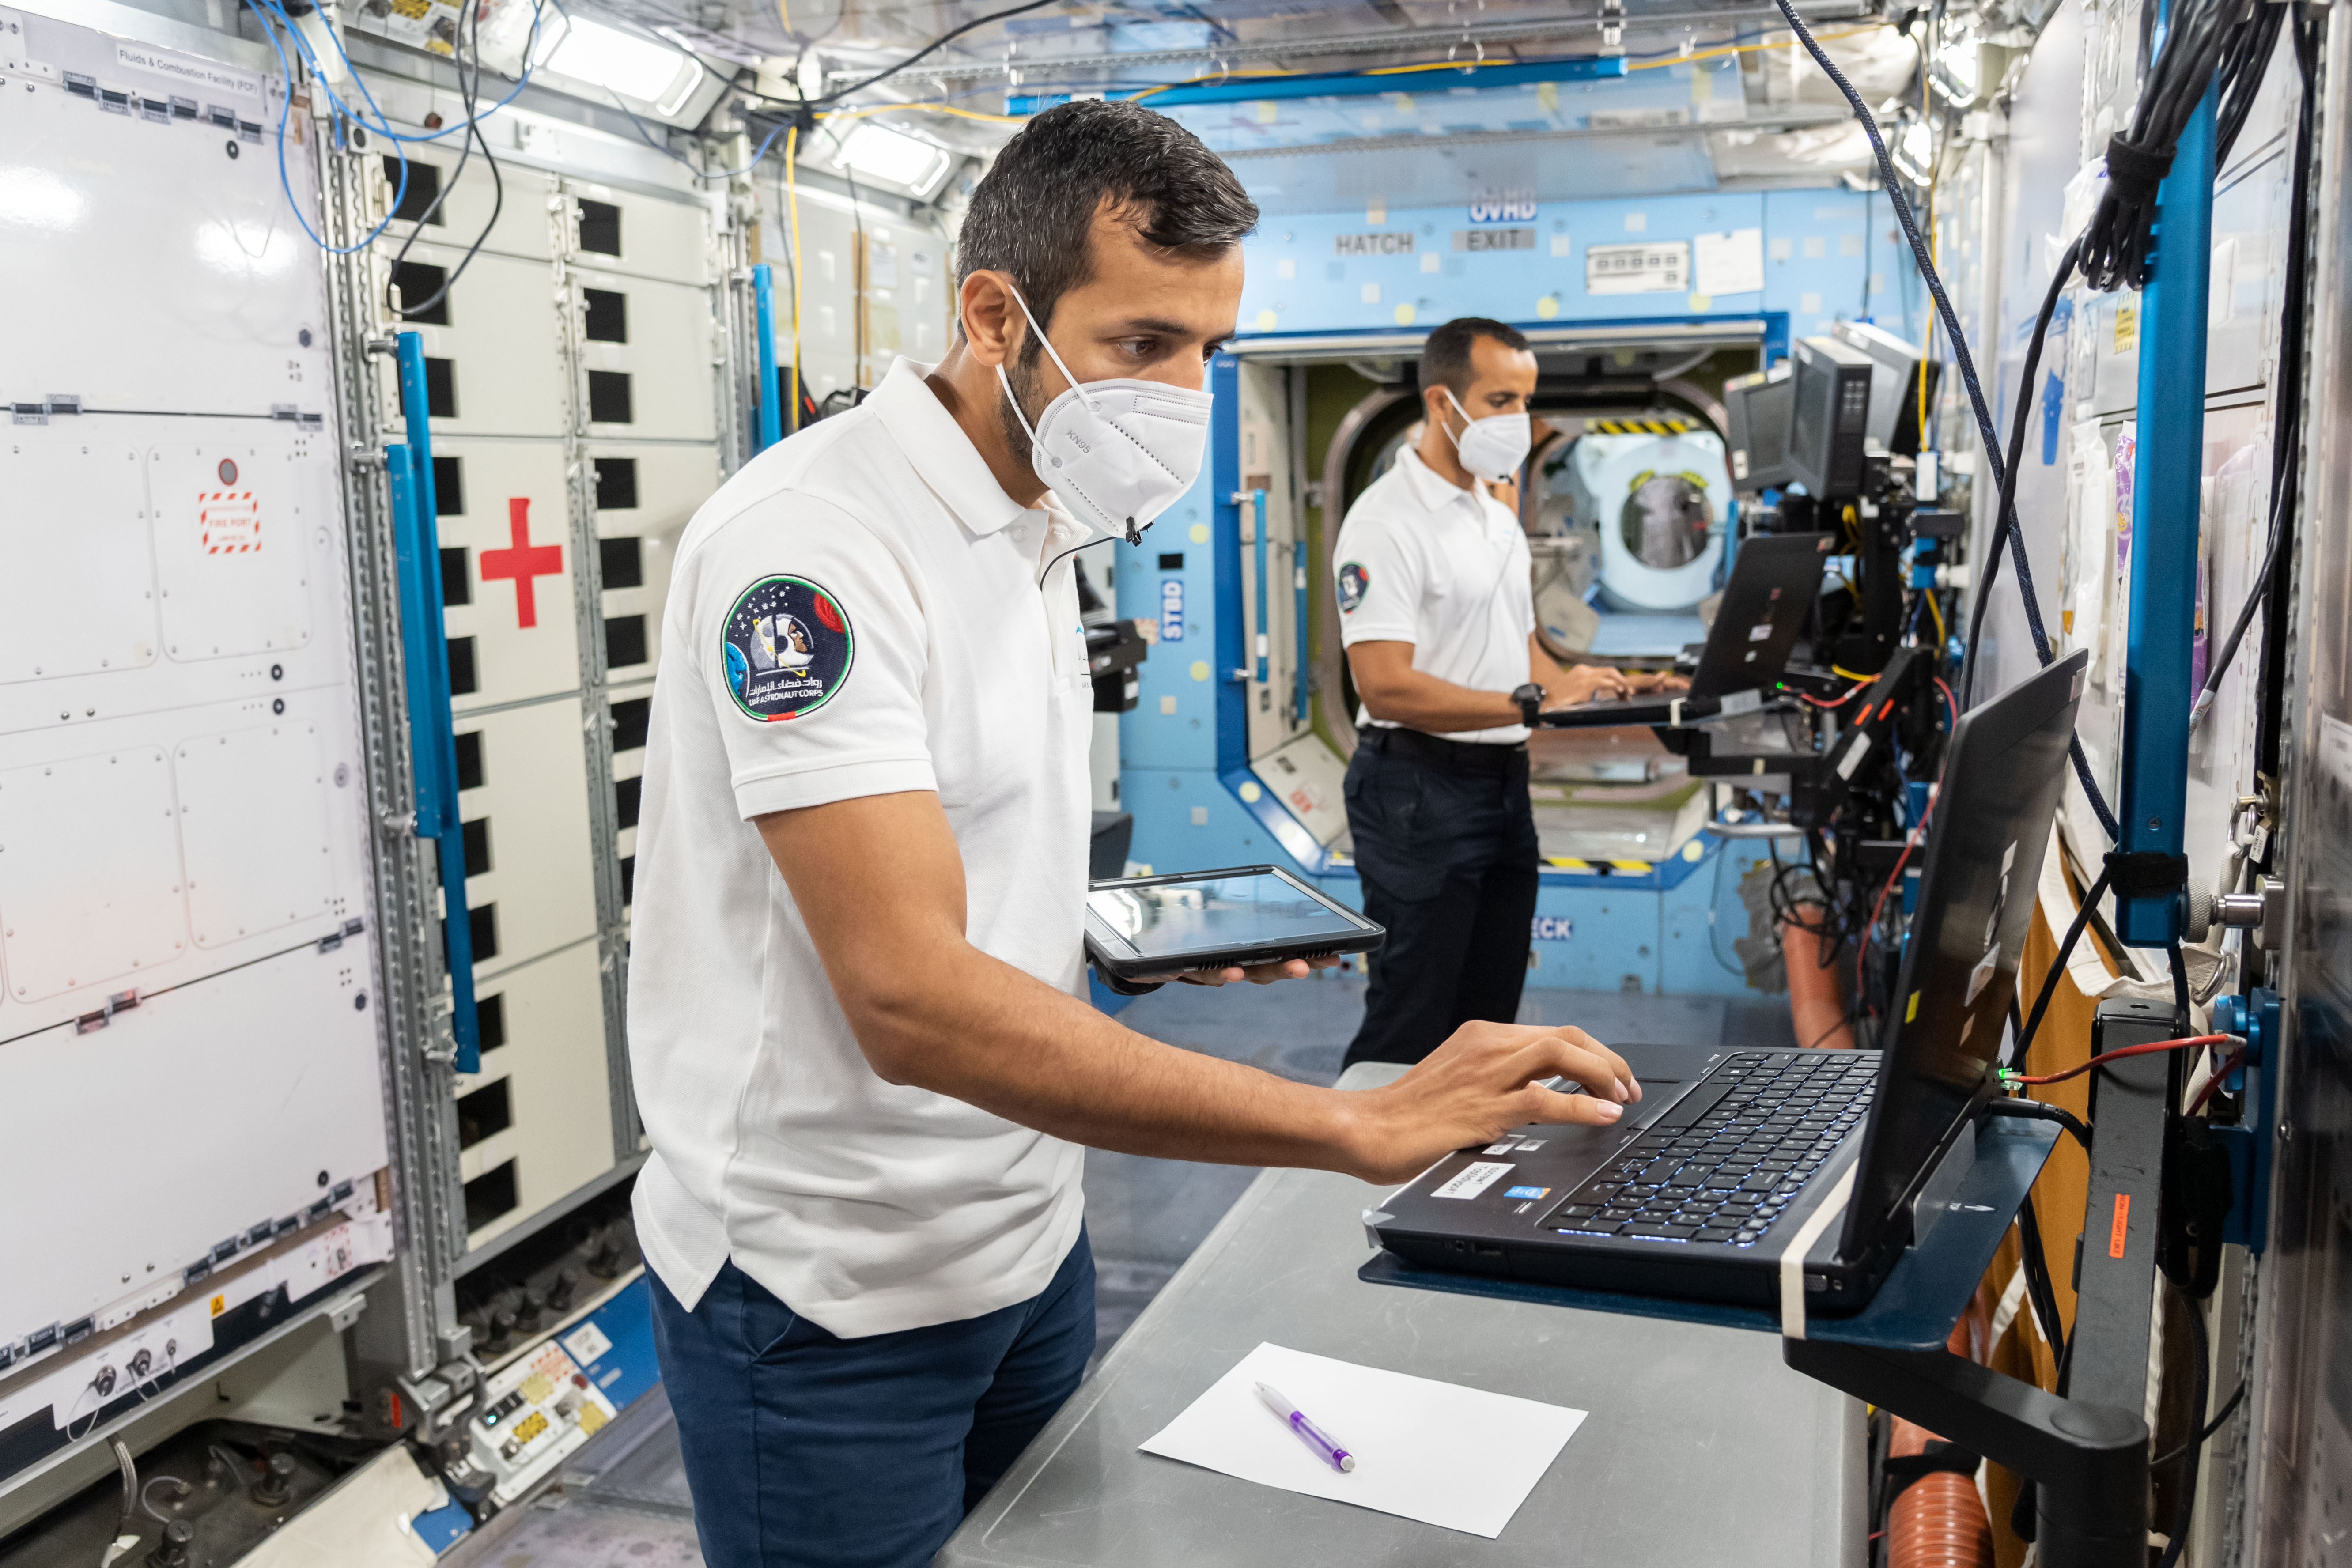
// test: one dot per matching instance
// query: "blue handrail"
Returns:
(425, 657)
(771, 402)
(2166, 490)
(1257, 504)
(1298, 620)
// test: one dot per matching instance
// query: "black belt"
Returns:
(1469, 756)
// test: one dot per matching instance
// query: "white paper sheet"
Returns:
(1728, 263)
(1437, 1452)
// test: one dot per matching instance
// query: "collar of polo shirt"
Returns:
(945, 460)
(1435, 491)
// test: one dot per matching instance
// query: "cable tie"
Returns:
(2144, 873)
(2134, 173)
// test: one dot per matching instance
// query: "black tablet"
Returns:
(1140, 927)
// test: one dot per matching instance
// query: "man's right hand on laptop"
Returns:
(1484, 1080)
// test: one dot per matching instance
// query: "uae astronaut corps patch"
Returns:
(1353, 581)
(787, 647)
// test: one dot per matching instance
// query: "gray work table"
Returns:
(1701, 1447)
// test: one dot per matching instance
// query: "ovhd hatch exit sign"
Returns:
(1503, 207)
(1552, 928)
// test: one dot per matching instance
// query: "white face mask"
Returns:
(1494, 446)
(1120, 451)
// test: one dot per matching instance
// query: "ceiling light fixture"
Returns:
(627, 63)
(880, 152)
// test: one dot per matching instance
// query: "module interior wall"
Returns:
(1828, 254)
(185, 870)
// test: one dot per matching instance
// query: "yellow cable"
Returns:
(1719, 52)
(1942, 636)
(1934, 172)
(1850, 675)
(793, 196)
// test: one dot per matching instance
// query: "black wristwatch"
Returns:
(1530, 701)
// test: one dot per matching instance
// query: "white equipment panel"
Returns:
(183, 833)
(533, 1414)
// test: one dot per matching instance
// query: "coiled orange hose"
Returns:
(1939, 1521)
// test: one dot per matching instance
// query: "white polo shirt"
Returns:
(856, 611)
(1421, 561)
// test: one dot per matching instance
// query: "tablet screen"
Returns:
(1214, 912)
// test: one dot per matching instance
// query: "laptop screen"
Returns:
(2002, 776)
(1774, 582)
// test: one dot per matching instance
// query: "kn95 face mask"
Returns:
(1119, 451)
(1494, 446)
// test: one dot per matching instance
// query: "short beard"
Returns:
(1021, 375)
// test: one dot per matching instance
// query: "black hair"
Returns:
(1446, 357)
(1031, 214)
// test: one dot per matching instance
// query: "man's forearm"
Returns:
(1421, 701)
(981, 1031)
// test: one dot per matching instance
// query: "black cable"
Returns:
(943, 39)
(2091, 897)
(2285, 448)
(469, 92)
(2205, 1433)
(2184, 1507)
(2039, 1110)
(2245, 59)
(2005, 509)
(2179, 986)
(1967, 362)
(2118, 244)
(2040, 1291)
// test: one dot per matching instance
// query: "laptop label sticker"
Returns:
(1472, 1180)
(1505, 1147)
(1526, 1192)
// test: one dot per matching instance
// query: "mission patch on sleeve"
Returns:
(787, 647)
(1353, 581)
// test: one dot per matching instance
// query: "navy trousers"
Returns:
(806, 1450)
(1445, 844)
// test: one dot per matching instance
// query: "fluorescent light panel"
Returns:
(893, 155)
(627, 64)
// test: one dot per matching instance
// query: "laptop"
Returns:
(1774, 582)
(1727, 1159)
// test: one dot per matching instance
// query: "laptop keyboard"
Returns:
(1722, 1168)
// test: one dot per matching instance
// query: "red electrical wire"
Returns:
(1858, 686)
(2228, 1065)
(2115, 1055)
(1862, 948)
(1950, 705)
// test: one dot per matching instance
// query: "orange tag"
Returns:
(2116, 1231)
(220, 1305)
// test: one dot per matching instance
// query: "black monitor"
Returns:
(2003, 772)
(1902, 382)
(1831, 417)
(1756, 409)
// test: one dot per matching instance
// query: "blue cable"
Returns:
(382, 125)
(285, 106)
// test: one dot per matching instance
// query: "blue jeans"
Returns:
(806, 1450)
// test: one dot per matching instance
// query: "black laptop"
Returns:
(1773, 584)
(1729, 1156)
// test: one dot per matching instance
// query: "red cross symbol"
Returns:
(523, 562)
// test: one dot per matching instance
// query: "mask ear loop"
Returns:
(1076, 386)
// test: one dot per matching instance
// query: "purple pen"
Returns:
(1333, 1455)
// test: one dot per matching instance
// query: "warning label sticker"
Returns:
(230, 522)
